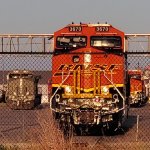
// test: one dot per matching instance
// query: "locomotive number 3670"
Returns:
(75, 29)
(102, 29)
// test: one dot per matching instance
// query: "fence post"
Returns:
(137, 128)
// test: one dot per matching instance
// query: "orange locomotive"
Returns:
(146, 80)
(137, 89)
(88, 84)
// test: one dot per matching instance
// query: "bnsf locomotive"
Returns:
(89, 79)
(22, 90)
(137, 88)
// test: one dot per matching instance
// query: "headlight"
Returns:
(105, 90)
(68, 89)
(87, 58)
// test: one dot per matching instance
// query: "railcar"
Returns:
(137, 89)
(89, 82)
(22, 90)
(146, 79)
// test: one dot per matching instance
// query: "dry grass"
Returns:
(48, 135)
(42, 133)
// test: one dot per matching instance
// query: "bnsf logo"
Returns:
(89, 68)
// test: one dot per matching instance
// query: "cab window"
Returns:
(106, 41)
(71, 41)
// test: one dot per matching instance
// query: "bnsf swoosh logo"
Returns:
(88, 68)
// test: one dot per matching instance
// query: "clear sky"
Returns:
(47, 16)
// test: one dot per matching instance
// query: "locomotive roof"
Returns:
(90, 25)
(136, 71)
(71, 30)
(20, 72)
(45, 75)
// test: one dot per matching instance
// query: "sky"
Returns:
(47, 16)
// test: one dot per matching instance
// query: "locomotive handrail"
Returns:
(26, 43)
(57, 90)
(114, 86)
(117, 91)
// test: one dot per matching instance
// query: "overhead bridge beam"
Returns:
(139, 41)
(26, 43)
(137, 35)
(25, 35)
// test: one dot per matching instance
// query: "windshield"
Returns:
(71, 41)
(15, 76)
(106, 41)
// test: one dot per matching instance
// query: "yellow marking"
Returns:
(135, 92)
(85, 95)
(99, 88)
(78, 77)
(90, 89)
(94, 83)
(75, 85)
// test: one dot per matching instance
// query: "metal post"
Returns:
(2, 40)
(148, 44)
(44, 47)
(31, 42)
(18, 44)
(137, 128)
(126, 47)
(10, 44)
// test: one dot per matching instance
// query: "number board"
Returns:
(75, 29)
(102, 29)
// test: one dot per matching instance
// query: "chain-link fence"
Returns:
(36, 128)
